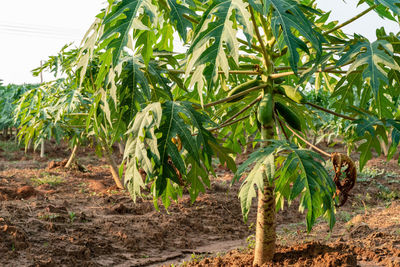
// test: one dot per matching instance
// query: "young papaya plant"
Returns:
(63, 109)
(9, 95)
(236, 76)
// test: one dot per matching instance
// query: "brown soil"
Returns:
(50, 216)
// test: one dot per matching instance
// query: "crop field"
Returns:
(52, 216)
(207, 133)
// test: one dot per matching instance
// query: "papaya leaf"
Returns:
(142, 138)
(371, 56)
(312, 183)
(134, 79)
(344, 91)
(215, 31)
(263, 170)
(223, 155)
(371, 142)
(288, 16)
(197, 177)
(169, 147)
(177, 15)
(393, 5)
(300, 167)
(121, 21)
(256, 156)
(367, 125)
(395, 138)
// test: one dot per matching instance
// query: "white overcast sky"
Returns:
(31, 31)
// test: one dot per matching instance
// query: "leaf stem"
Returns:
(279, 68)
(255, 47)
(227, 124)
(189, 18)
(245, 72)
(233, 96)
(331, 112)
(351, 20)
(243, 110)
(259, 38)
(305, 140)
(281, 125)
(330, 69)
(77, 114)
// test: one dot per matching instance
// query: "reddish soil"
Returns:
(50, 216)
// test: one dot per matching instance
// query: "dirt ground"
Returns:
(50, 216)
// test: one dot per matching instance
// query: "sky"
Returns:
(30, 31)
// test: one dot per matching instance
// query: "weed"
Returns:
(72, 216)
(52, 180)
(195, 258)
(389, 195)
(369, 173)
(83, 188)
(9, 146)
(113, 192)
(391, 174)
(394, 181)
(48, 216)
(251, 241)
(328, 236)
(344, 216)
(219, 254)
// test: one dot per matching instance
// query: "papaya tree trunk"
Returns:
(121, 147)
(72, 157)
(42, 148)
(266, 218)
(266, 227)
(113, 166)
(385, 147)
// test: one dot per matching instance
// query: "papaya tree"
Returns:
(66, 109)
(53, 109)
(9, 95)
(232, 72)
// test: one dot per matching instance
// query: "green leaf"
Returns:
(345, 92)
(223, 155)
(302, 168)
(142, 138)
(286, 17)
(177, 12)
(121, 21)
(367, 125)
(216, 30)
(256, 156)
(371, 56)
(371, 142)
(391, 4)
(395, 137)
(146, 40)
(312, 183)
(197, 177)
(169, 166)
(135, 80)
(262, 172)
